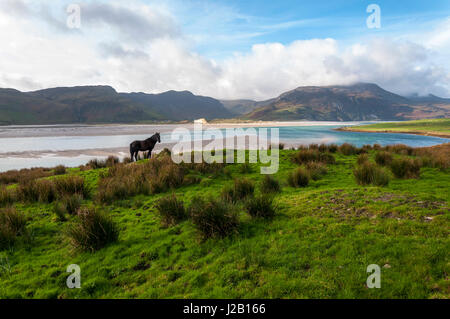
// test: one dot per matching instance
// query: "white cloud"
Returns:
(142, 48)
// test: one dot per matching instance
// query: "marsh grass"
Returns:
(299, 177)
(12, 225)
(260, 206)
(171, 210)
(240, 189)
(369, 173)
(92, 230)
(213, 218)
(383, 158)
(270, 185)
(406, 167)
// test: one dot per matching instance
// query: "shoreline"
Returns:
(351, 129)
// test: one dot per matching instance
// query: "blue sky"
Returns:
(240, 24)
(226, 49)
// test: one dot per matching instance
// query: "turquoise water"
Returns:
(47, 151)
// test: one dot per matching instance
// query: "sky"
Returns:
(226, 49)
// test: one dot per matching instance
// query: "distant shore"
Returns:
(435, 127)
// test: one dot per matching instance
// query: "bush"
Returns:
(369, 173)
(362, 158)
(92, 230)
(241, 189)
(59, 170)
(298, 178)
(270, 185)
(348, 149)
(213, 218)
(316, 170)
(12, 224)
(171, 210)
(260, 206)
(406, 168)
(400, 149)
(383, 158)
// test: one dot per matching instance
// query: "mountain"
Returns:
(240, 107)
(102, 104)
(358, 102)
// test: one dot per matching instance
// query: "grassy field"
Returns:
(438, 127)
(318, 244)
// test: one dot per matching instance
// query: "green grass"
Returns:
(318, 245)
(438, 127)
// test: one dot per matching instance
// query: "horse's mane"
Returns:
(152, 138)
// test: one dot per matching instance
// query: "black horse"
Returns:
(143, 146)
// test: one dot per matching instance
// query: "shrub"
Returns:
(260, 206)
(59, 170)
(298, 178)
(72, 203)
(171, 210)
(92, 230)
(270, 185)
(406, 168)
(348, 149)
(369, 173)
(383, 158)
(362, 158)
(241, 189)
(316, 170)
(213, 218)
(12, 224)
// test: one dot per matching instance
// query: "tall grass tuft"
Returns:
(171, 209)
(369, 173)
(12, 225)
(213, 218)
(59, 170)
(406, 168)
(313, 155)
(383, 158)
(270, 185)
(298, 178)
(241, 189)
(92, 230)
(362, 158)
(348, 149)
(316, 170)
(260, 206)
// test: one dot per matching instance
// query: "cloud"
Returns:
(142, 48)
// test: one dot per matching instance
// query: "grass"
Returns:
(317, 245)
(437, 127)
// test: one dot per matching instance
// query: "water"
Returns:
(73, 145)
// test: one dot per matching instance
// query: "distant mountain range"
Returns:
(102, 104)
(358, 102)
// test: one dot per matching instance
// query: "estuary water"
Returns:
(73, 145)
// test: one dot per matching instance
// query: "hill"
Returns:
(102, 104)
(358, 102)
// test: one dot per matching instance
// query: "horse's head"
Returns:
(158, 137)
